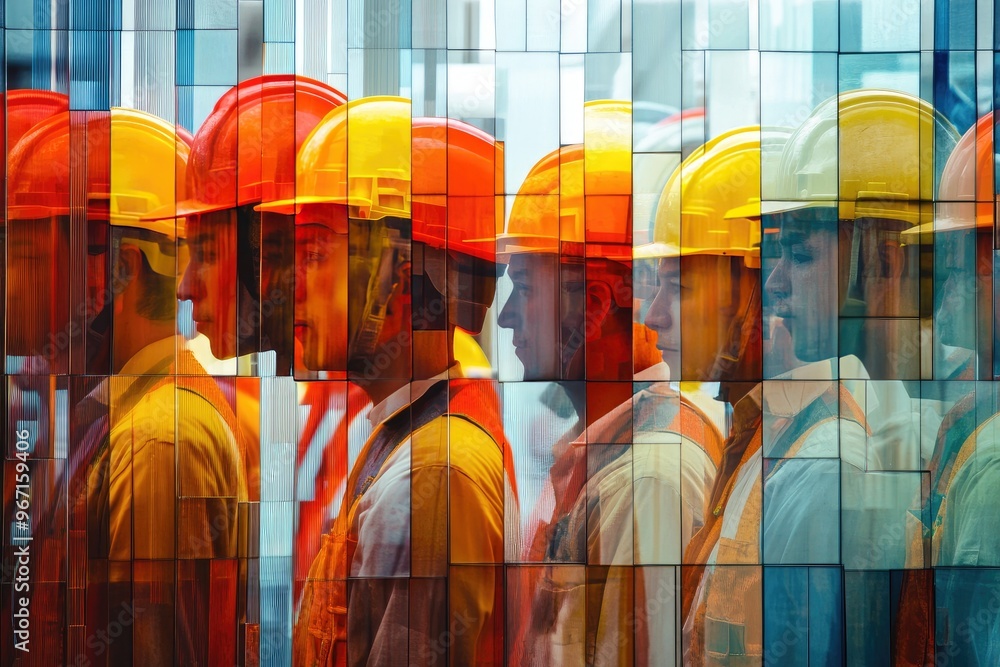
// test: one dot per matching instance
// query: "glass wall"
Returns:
(482, 332)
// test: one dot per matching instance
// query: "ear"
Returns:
(600, 301)
(127, 268)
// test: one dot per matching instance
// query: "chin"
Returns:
(310, 361)
(222, 352)
(810, 355)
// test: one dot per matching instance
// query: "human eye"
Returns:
(801, 257)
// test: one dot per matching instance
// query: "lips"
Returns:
(782, 309)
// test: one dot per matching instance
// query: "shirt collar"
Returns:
(787, 399)
(157, 358)
(407, 394)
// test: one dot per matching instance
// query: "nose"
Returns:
(190, 287)
(510, 315)
(777, 285)
(659, 316)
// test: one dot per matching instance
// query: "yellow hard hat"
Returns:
(868, 153)
(370, 174)
(580, 193)
(707, 202)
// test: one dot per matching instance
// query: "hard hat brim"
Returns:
(523, 244)
(184, 209)
(670, 250)
(760, 209)
(294, 205)
(942, 225)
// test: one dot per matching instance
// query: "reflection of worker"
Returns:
(644, 502)
(568, 253)
(28, 408)
(962, 469)
(239, 277)
(568, 257)
(20, 110)
(420, 531)
(155, 473)
(823, 502)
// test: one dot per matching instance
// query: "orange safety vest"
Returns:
(332, 472)
(914, 629)
(538, 610)
(731, 600)
(320, 634)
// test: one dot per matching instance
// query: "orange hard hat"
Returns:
(967, 192)
(457, 189)
(244, 152)
(20, 110)
(577, 200)
(579, 194)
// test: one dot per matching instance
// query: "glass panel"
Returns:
(868, 26)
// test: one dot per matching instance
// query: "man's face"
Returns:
(955, 293)
(471, 288)
(546, 311)
(210, 280)
(803, 288)
(321, 290)
(691, 313)
(37, 295)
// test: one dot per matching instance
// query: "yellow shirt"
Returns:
(174, 473)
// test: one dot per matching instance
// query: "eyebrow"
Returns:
(519, 274)
(201, 238)
(787, 240)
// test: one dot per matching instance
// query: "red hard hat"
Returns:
(457, 186)
(20, 110)
(244, 153)
(966, 194)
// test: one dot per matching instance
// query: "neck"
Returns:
(379, 390)
(432, 355)
(131, 334)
